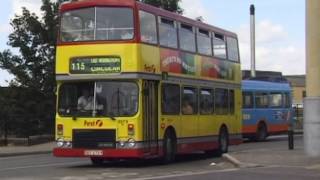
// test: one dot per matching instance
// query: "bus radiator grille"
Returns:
(97, 139)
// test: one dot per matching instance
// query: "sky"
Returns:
(280, 28)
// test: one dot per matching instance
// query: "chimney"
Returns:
(253, 41)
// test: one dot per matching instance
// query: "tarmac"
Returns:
(244, 157)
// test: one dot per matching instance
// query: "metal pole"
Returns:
(312, 101)
(253, 40)
(291, 119)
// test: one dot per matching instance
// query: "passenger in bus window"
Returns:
(85, 102)
(186, 107)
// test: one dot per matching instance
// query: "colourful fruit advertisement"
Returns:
(173, 61)
(177, 62)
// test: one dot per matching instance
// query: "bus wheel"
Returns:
(169, 147)
(262, 132)
(97, 161)
(223, 141)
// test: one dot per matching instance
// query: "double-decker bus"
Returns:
(136, 81)
(266, 108)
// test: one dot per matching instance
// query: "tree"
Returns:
(33, 68)
(170, 5)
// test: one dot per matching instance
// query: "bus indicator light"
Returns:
(130, 129)
(163, 125)
(60, 129)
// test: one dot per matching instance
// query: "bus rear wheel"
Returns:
(169, 147)
(223, 144)
(223, 141)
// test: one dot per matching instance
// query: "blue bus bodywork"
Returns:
(267, 108)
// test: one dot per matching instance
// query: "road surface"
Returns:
(196, 166)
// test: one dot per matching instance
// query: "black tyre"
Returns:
(169, 147)
(261, 132)
(223, 141)
(97, 161)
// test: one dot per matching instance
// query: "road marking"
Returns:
(43, 165)
(187, 174)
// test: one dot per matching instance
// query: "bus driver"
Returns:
(85, 102)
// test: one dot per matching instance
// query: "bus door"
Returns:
(150, 116)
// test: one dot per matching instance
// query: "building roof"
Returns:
(271, 76)
(297, 80)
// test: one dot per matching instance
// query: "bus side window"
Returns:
(148, 27)
(232, 47)
(189, 101)
(231, 101)
(206, 101)
(247, 100)
(276, 100)
(187, 38)
(204, 42)
(168, 33)
(219, 46)
(221, 101)
(261, 100)
(170, 99)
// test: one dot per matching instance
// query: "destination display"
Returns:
(95, 65)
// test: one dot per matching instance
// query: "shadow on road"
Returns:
(269, 139)
(141, 163)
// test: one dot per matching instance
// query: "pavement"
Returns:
(7, 151)
(268, 155)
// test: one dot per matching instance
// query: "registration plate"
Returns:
(93, 153)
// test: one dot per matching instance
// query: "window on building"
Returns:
(187, 38)
(189, 101)
(233, 52)
(170, 99)
(148, 27)
(204, 42)
(168, 33)
(206, 101)
(219, 46)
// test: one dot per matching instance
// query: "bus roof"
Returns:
(252, 85)
(133, 3)
(183, 19)
(91, 3)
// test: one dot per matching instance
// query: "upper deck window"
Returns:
(168, 33)
(187, 38)
(148, 27)
(204, 42)
(233, 53)
(99, 23)
(219, 46)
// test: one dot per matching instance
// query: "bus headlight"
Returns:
(60, 142)
(122, 143)
(131, 143)
(68, 144)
